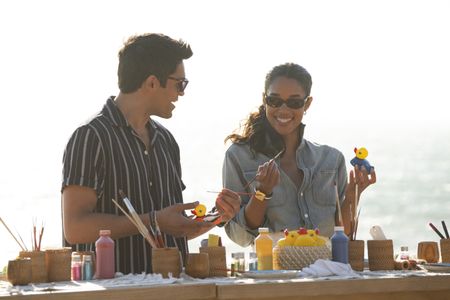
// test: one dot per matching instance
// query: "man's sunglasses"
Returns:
(181, 83)
(276, 102)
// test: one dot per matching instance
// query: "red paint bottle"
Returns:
(105, 260)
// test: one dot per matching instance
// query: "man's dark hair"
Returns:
(149, 54)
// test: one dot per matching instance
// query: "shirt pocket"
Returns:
(324, 192)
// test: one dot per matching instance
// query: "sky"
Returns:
(374, 64)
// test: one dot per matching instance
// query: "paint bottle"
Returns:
(264, 245)
(252, 262)
(87, 267)
(339, 245)
(105, 261)
(76, 267)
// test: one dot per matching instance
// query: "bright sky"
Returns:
(371, 61)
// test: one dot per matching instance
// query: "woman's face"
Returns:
(285, 120)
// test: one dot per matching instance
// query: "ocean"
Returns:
(412, 189)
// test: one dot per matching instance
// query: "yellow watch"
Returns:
(260, 195)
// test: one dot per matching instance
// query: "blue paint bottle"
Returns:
(88, 268)
(339, 245)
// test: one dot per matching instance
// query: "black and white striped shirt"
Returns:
(107, 155)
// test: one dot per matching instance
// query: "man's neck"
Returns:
(133, 108)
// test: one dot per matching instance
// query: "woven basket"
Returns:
(217, 260)
(19, 271)
(356, 254)
(166, 260)
(38, 268)
(381, 255)
(58, 263)
(445, 250)
(298, 257)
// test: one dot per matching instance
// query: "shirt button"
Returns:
(301, 194)
(146, 152)
(306, 216)
(151, 183)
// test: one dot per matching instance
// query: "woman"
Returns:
(296, 188)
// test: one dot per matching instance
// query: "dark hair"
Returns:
(149, 54)
(256, 130)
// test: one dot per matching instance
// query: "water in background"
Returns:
(413, 188)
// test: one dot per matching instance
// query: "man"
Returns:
(123, 148)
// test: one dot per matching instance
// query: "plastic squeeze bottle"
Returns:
(105, 261)
(264, 245)
(339, 245)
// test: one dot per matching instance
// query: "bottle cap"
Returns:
(76, 257)
(404, 248)
(87, 257)
(253, 255)
(338, 228)
(105, 232)
(263, 230)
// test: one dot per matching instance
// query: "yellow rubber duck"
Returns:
(199, 211)
(291, 237)
(304, 240)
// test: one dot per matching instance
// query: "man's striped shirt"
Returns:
(107, 155)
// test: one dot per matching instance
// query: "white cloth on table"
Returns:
(323, 268)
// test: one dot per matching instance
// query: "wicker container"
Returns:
(198, 265)
(19, 271)
(428, 251)
(445, 250)
(38, 267)
(58, 263)
(356, 254)
(217, 260)
(381, 255)
(298, 257)
(165, 261)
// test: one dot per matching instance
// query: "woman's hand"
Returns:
(228, 204)
(268, 176)
(362, 178)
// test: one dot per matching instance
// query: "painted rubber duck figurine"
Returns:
(360, 159)
(199, 212)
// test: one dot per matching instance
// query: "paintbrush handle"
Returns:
(445, 228)
(7, 228)
(436, 230)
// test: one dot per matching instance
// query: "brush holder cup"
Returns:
(58, 262)
(38, 267)
(356, 254)
(165, 261)
(445, 250)
(428, 251)
(217, 260)
(197, 265)
(381, 255)
(19, 271)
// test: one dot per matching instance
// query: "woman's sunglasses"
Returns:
(181, 83)
(276, 102)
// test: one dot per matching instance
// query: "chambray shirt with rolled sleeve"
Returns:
(312, 205)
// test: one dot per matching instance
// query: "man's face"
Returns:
(163, 103)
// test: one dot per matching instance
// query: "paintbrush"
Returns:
(271, 160)
(140, 226)
(7, 228)
(338, 205)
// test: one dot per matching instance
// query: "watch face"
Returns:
(260, 195)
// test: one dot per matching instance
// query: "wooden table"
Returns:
(411, 288)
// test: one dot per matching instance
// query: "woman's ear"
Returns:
(308, 103)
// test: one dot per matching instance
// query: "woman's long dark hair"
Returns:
(257, 131)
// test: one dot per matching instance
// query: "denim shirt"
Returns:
(312, 205)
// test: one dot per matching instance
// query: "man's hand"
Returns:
(172, 221)
(228, 203)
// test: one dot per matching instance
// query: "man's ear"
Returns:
(151, 82)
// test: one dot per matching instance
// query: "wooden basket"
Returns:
(165, 261)
(38, 267)
(445, 250)
(198, 265)
(298, 257)
(381, 255)
(19, 271)
(58, 263)
(356, 254)
(217, 260)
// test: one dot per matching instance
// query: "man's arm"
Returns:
(82, 225)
